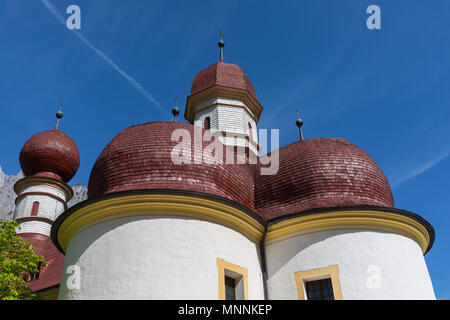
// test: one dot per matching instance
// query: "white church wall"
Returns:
(228, 115)
(45, 188)
(212, 114)
(148, 257)
(49, 208)
(35, 227)
(372, 264)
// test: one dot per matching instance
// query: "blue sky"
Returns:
(383, 90)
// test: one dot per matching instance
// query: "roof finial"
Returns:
(221, 45)
(299, 123)
(175, 110)
(59, 115)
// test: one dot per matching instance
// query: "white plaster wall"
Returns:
(403, 272)
(229, 119)
(230, 140)
(147, 257)
(49, 208)
(212, 114)
(235, 120)
(223, 101)
(35, 227)
(45, 188)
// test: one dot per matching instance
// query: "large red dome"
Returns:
(313, 174)
(224, 74)
(321, 173)
(50, 153)
(139, 157)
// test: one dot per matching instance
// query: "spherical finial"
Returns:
(59, 115)
(175, 110)
(298, 122)
(221, 44)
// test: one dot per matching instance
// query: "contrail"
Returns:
(99, 53)
(421, 169)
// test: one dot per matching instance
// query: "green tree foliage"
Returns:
(17, 262)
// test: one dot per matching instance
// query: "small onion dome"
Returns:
(140, 158)
(224, 74)
(51, 154)
(321, 173)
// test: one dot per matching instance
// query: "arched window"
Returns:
(35, 208)
(250, 131)
(207, 123)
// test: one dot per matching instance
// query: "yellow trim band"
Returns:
(363, 218)
(218, 212)
(204, 209)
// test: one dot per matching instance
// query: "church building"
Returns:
(321, 224)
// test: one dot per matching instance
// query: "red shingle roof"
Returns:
(316, 173)
(224, 74)
(50, 153)
(139, 157)
(50, 274)
(321, 173)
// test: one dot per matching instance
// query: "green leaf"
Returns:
(17, 261)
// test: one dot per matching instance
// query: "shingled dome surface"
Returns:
(50, 153)
(224, 74)
(139, 157)
(321, 173)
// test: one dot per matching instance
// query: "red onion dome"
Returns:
(51, 154)
(321, 173)
(140, 157)
(224, 74)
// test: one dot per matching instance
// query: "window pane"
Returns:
(319, 290)
(230, 288)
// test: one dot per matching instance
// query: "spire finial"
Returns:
(221, 44)
(59, 115)
(299, 123)
(175, 110)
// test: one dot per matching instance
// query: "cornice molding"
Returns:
(170, 205)
(345, 219)
(38, 180)
(176, 203)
